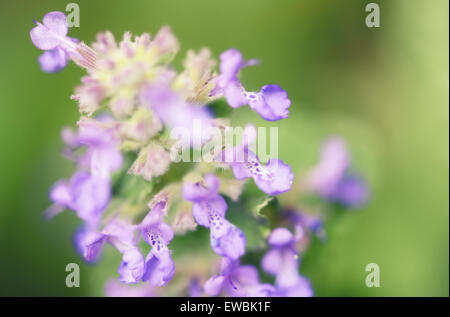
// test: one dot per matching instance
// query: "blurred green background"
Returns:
(383, 89)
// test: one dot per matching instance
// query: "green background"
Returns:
(383, 89)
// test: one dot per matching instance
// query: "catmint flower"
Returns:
(132, 268)
(238, 281)
(209, 210)
(101, 156)
(51, 36)
(84, 193)
(159, 266)
(351, 191)
(121, 235)
(331, 178)
(274, 178)
(88, 191)
(282, 262)
(271, 102)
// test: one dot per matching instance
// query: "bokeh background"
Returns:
(385, 90)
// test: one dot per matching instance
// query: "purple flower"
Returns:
(331, 178)
(121, 235)
(209, 210)
(159, 266)
(84, 193)
(88, 191)
(53, 61)
(271, 102)
(282, 262)
(237, 280)
(351, 191)
(51, 36)
(230, 243)
(102, 155)
(118, 233)
(274, 178)
(132, 268)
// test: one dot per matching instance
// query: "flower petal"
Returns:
(132, 267)
(271, 103)
(214, 286)
(160, 267)
(281, 178)
(53, 61)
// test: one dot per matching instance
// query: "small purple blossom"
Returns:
(274, 178)
(331, 178)
(238, 281)
(209, 210)
(102, 155)
(88, 190)
(159, 266)
(351, 191)
(271, 102)
(84, 193)
(282, 262)
(121, 235)
(132, 268)
(51, 36)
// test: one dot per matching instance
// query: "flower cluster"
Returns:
(129, 193)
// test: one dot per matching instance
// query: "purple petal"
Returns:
(120, 230)
(90, 196)
(202, 211)
(240, 171)
(219, 227)
(201, 190)
(352, 191)
(231, 245)
(53, 61)
(93, 243)
(56, 21)
(234, 94)
(280, 179)
(214, 286)
(334, 161)
(272, 103)
(155, 231)
(50, 34)
(44, 39)
(132, 267)
(231, 61)
(280, 237)
(301, 289)
(60, 193)
(155, 215)
(160, 268)
(246, 275)
(272, 261)
(288, 274)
